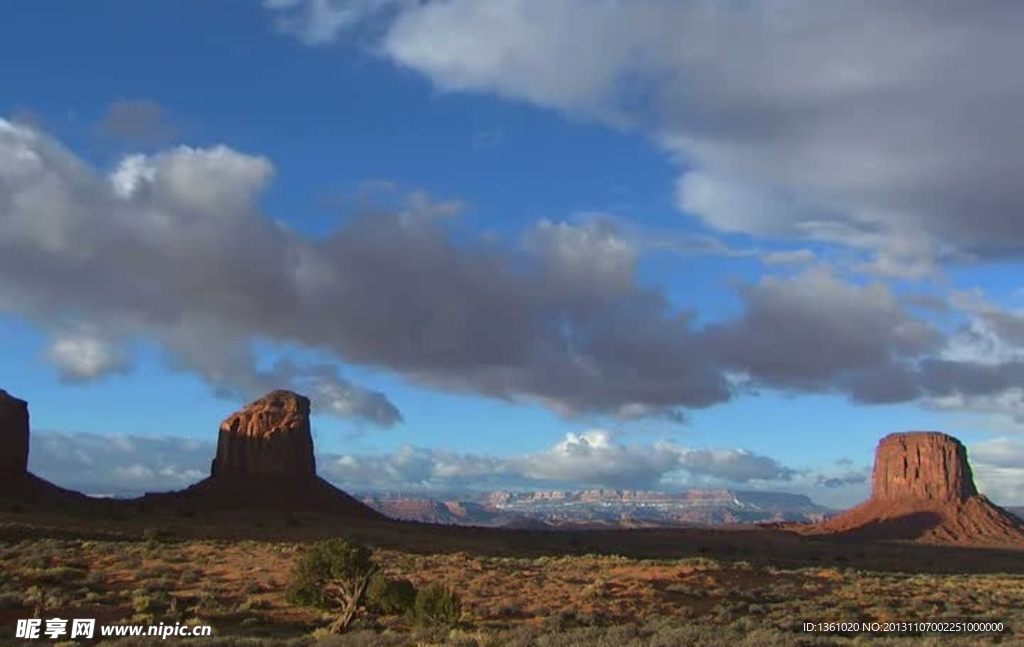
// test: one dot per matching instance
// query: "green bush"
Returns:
(333, 575)
(437, 605)
(390, 597)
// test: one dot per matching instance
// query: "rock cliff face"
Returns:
(267, 438)
(920, 466)
(923, 490)
(13, 437)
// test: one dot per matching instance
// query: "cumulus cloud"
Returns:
(82, 357)
(998, 466)
(733, 465)
(130, 464)
(592, 458)
(172, 247)
(813, 331)
(118, 464)
(878, 127)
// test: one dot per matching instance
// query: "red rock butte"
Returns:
(269, 437)
(922, 465)
(923, 489)
(265, 460)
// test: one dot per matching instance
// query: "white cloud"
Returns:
(316, 22)
(828, 120)
(998, 465)
(80, 357)
(592, 458)
(116, 464)
(212, 182)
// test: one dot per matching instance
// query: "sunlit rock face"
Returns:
(922, 465)
(269, 437)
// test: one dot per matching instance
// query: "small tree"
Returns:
(390, 597)
(332, 574)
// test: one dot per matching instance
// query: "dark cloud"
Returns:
(172, 247)
(815, 332)
(843, 480)
(137, 122)
(736, 466)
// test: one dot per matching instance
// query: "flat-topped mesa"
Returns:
(922, 466)
(269, 437)
(13, 437)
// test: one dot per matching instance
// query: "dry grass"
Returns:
(238, 588)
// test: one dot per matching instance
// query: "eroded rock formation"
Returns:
(269, 437)
(923, 489)
(13, 437)
(922, 465)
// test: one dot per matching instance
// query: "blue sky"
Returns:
(513, 244)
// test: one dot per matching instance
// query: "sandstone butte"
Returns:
(923, 490)
(270, 437)
(265, 460)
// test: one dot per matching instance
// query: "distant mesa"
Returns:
(923, 489)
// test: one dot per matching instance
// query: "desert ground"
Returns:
(224, 553)
(723, 586)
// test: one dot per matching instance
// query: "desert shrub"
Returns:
(390, 596)
(333, 575)
(190, 576)
(58, 576)
(437, 605)
(362, 638)
(153, 602)
(156, 536)
(11, 600)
